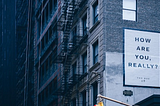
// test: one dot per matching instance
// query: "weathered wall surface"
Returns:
(147, 19)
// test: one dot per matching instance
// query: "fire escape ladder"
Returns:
(64, 25)
(68, 84)
(65, 49)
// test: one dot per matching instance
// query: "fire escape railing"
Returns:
(66, 49)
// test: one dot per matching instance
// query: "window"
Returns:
(55, 4)
(74, 35)
(54, 83)
(43, 98)
(50, 88)
(46, 37)
(51, 63)
(129, 10)
(84, 98)
(84, 62)
(43, 19)
(46, 90)
(42, 43)
(39, 99)
(74, 32)
(47, 67)
(38, 48)
(73, 102)
(95, 52)
(51, 7)
(84, 22)
(46, 12)
(54, 31)
(95, 92)
(42, 69)
(74, 69)
(95, 12)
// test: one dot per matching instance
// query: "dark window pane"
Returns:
(74, 69)
(84, 62)
(95, 52)
(95, 12)
(84, 25)
(84, 98)
(73, 102)
(95, 92)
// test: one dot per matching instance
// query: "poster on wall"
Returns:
(141, 58)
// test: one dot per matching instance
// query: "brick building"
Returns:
(89, 47)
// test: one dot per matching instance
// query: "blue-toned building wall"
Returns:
(8, 53)
(147, 19)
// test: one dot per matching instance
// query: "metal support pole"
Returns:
(100, 96)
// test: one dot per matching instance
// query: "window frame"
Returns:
(83, 93)
(95, 7)
(129, 10)
(74, 69)
(95, 52)
(74, 35)
(84, 62)
(55, 4)
(73, 102)
(84, 25)
(94, 92)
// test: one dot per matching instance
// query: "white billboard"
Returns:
(141, 58)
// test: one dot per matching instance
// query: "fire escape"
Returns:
(66, 49)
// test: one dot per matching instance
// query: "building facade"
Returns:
(7, 53)
(88, 47)
(16, 79)
(25, 53)
(21, 38)
(46, 72)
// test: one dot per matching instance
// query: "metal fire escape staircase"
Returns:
(65, 48)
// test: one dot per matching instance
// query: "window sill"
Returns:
(94, 26)
(95, 66)
(83, 76)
